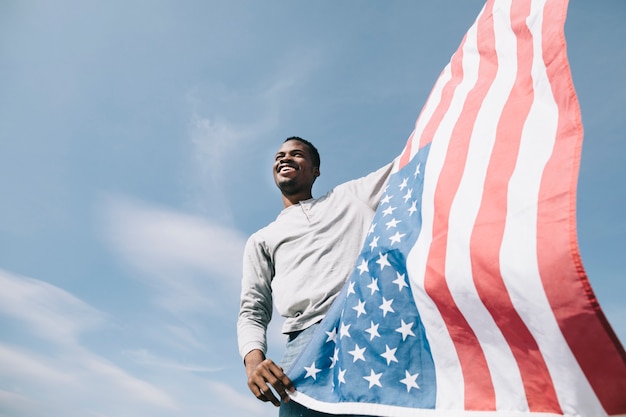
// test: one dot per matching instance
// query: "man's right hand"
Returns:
(263, 373)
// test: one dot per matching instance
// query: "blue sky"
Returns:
(135, 147)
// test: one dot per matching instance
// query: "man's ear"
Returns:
(316, 172)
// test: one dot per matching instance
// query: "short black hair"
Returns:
(315, 155)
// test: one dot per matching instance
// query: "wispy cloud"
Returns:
(246, 402)
(126, 385)
(192, 264)
(14, 405)
(224, 124)
(50, 362)
(147, 358)
(18, 364)
(51, 312)
(62, 376)
(58, 374)
(75, 372)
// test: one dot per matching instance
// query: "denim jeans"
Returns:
(295, 345)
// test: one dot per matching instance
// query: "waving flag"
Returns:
(469, 296)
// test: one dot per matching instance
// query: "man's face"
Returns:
(293, 168)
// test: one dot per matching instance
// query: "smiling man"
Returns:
(299, 263)
(296, 166)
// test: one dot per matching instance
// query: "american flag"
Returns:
(469, 295)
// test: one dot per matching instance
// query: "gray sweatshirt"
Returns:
(301, 260)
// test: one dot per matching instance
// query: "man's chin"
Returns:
(288, 187)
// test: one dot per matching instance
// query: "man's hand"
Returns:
(263, 373)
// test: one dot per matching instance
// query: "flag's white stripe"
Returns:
(380, 410)
(432, 103)
(429, 108)
(450, 389)
(505, 374)
(427, 112)
(519, 247)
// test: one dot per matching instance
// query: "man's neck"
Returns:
(290, 200)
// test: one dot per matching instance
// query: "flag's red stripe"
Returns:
(456, 68)
(488, 233)
(405, 157)
(590, 337)
(479, 390)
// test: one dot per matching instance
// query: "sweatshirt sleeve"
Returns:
(255, 310)
(371, 187)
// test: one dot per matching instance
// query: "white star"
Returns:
(393, 223)
(372, 227)
(417, 169)
(397, 238)
(404, 184)
(412, 209)
(373, 331)
(400, 282)
(385, 199)
(408, 195)
(363, 267)
(374, 242)
(332, 336)
(388, 210)
(357, 353)
(405, 329)
(409, 381)
(390, 355)
(312, 371)
(360, 308)
(382, 261)
(351, 288)
(344, 331)
(334, 358)
(342, 376)
(373, 379)
(373, 286)
(386, 307)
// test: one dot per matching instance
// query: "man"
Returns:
(300, 262)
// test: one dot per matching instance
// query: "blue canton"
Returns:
(371, 347)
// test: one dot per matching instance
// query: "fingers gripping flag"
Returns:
(469, 295)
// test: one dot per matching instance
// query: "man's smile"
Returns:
(286, 168)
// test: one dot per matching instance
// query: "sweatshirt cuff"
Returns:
(248, 347)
